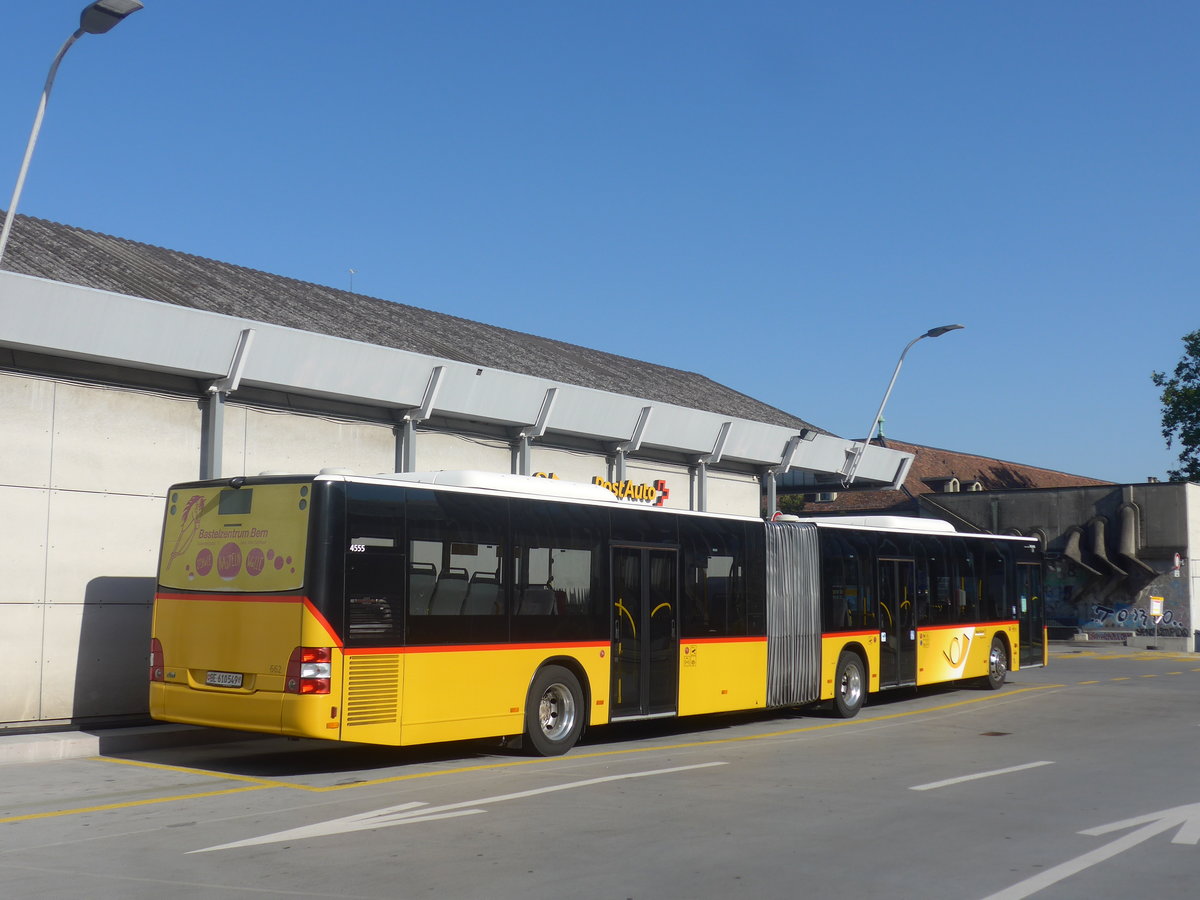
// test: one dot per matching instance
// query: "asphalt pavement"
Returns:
(43, 746)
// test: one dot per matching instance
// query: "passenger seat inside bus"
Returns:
(483, 595)
(421, 579)
(449, 593)
(537, 600)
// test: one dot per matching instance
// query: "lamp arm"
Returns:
(11, 212)
(861, 448)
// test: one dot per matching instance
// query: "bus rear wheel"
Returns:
(849, 686)
(554, 712)
(997, 665)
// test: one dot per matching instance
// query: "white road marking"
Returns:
(407, 813)
(938, 784)
(1186, 817)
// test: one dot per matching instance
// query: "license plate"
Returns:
(224, 679)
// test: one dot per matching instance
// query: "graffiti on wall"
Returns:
(1128, 617)
(1073, 601)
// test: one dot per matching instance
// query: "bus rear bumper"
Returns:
(265, 712)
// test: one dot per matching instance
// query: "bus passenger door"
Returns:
(1031, 614)
(897, 623)
(645, 651)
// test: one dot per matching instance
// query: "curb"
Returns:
(55, 745)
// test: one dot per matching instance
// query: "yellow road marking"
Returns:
(261, 782)
(1088, 682)
(1122, 678)
(1136, 654)
(130, 804)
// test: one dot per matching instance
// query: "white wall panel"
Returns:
(107, 439)
(287, 442)
(233, 443)
(103, 547)
(27, 417)
(733, 495)
(23, 520)
(21, 650)
(95, 660)
(568, 465)
(449, 451)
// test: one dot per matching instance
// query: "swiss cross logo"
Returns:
(663, 492)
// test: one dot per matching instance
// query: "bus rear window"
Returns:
(212, 541)
(235, 503)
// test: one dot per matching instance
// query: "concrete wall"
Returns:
(438, 450)
(83, 474)
(257, 440)
(734, 494)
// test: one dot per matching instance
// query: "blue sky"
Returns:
(779, 195)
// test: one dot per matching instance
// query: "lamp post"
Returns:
(859, 449)
(96, 18)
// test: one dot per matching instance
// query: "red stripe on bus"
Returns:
(466, 648)
(961, 625)
(739, 639)
(846, 634)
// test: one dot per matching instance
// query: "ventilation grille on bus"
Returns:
(373, 692)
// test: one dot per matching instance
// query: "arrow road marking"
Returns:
(1186, 818)
(408, 813)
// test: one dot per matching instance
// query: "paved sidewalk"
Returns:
(51, 745)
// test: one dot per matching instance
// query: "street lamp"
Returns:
(96, 18)
(859, 449)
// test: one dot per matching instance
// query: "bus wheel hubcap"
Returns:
(851, 686)
(999, 663)
(556, 712)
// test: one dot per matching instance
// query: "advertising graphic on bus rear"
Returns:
(235, 539)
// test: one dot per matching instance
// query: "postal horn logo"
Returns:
(956, 653)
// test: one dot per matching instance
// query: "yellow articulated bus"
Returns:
(412, 608)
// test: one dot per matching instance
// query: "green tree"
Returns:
(1181, 409)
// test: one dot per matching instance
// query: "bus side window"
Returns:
(845, 591)
(374, 583)
(716, 598)
(374, 569)
(457, 572)
(999, 605)
(941, 608)
(558, 568)
(968, 585)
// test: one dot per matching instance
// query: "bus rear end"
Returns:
(235, 642)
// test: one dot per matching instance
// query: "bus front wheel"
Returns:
(850, 685)
(554, 712)
(997, 665)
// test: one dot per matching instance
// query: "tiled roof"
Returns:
(932, 467)
(63, 253)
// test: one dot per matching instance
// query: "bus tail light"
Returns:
(309, 670)
(156, 660)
